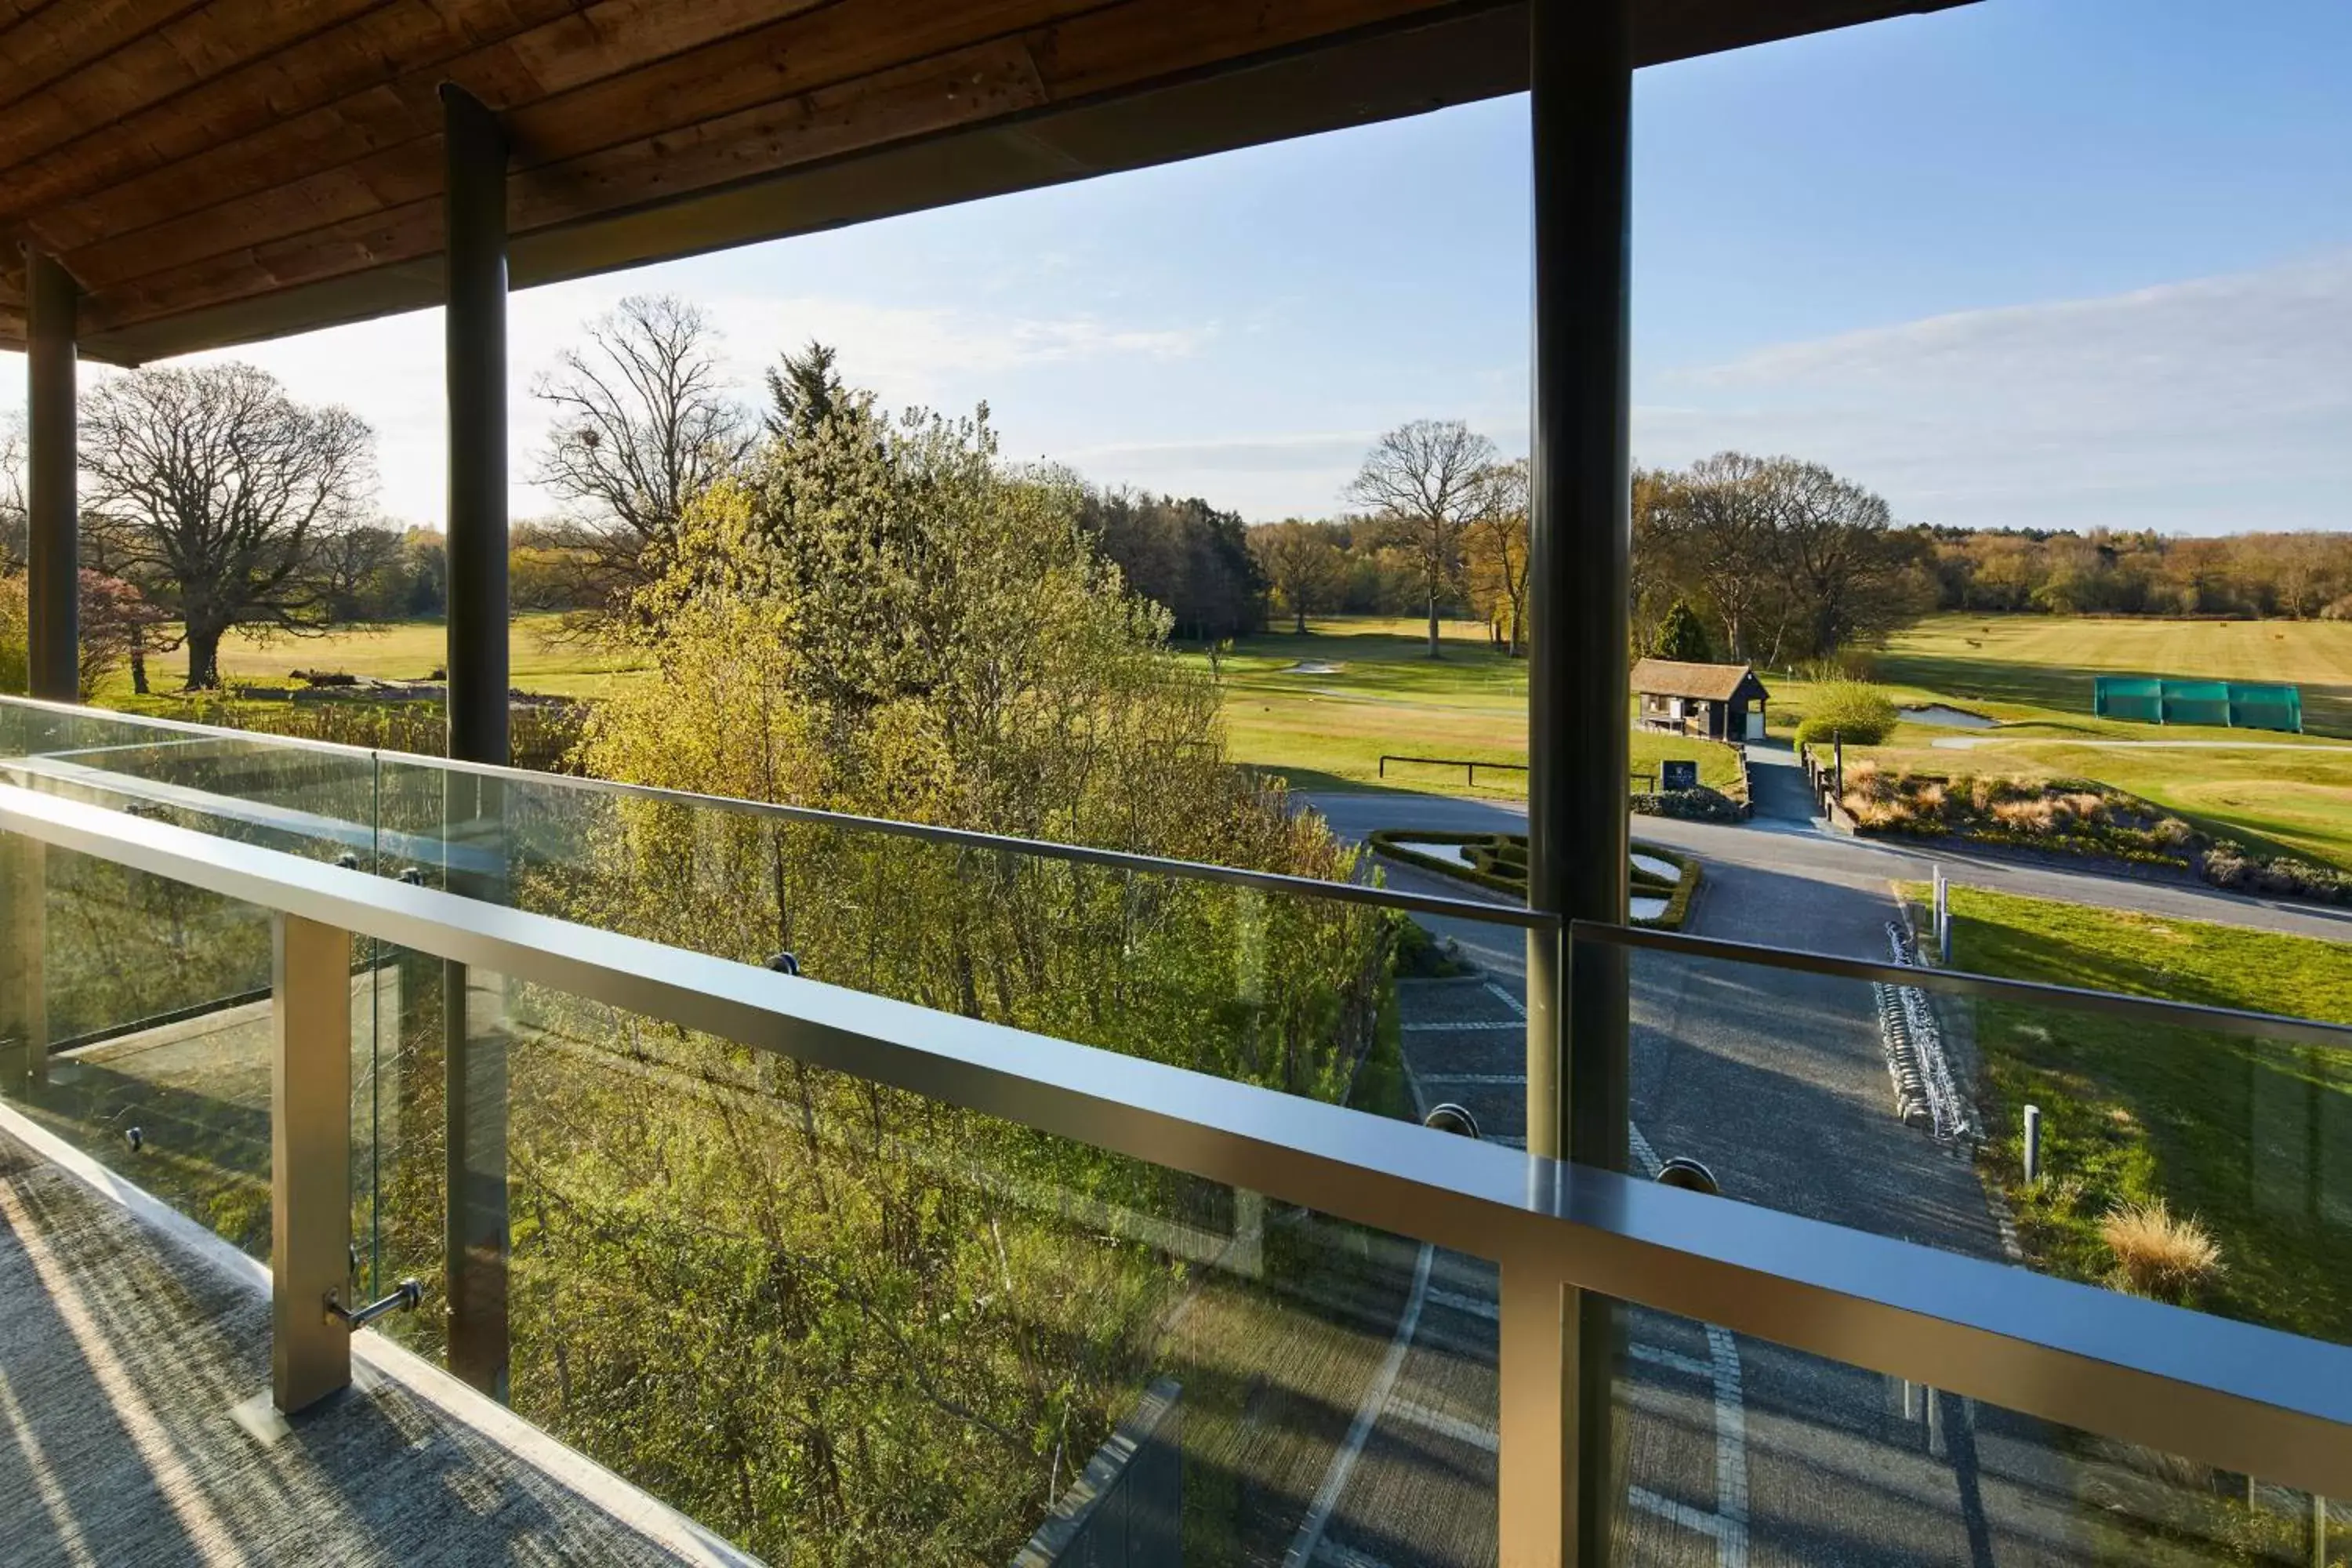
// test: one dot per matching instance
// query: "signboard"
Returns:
(1674, 775)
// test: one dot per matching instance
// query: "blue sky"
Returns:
(2043, 262)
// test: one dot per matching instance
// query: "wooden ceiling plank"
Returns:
(1107, 50)
(573, 47)
(795, 127)
(988, 81)
(52, 41)
(844, 50)
(158, 66)
(371, 50)
(408, 172)
(841, 42)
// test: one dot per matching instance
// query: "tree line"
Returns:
(2296, 576)
(213, 500)
(1443, 531)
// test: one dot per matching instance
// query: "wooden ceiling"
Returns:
(217, 173)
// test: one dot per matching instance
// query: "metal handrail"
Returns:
(992, 843)
(2227, 1394)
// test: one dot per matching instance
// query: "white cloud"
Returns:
(2205, 405)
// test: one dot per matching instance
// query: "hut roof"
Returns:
(1707, 682)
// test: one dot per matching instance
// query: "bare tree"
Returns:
(1836, 551)
(359, 570)
(222, 486)
(1496, 545)
(645, 422)
(1423, 478)
(13, 520)
(1305, 569)
(1715, 523)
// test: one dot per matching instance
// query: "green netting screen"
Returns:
(2135, 698)
(2245, 705)
(2265, 706)
(2196, 703)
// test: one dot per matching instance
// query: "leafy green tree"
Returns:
(1682, 636)
(838, 1322)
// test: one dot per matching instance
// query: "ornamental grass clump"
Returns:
(2165, 1257)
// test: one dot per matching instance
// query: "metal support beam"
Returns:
(477, 1232)
(476, 361)
(310, 1159)
(1578, 587)
(53, 577)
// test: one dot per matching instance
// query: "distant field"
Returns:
(403, 650)
(2034, 673)
(1327, 728)
(2050, 661)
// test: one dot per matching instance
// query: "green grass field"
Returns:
(2277, 792)
(403, 650)
(2251, 1137)
(2048, 663)
(1327, 727)
(1377, 692)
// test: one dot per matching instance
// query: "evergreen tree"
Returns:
(1682, 636)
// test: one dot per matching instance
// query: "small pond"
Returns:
(1949, 718)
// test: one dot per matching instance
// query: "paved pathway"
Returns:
(1738, 1451)
(1775, 844)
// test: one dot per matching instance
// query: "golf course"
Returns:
(1324, 707)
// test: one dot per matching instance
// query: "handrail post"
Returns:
(1536, 1491)
(310, 1159)
(24, 991)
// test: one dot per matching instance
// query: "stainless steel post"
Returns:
(24, 992)
(310, 1159)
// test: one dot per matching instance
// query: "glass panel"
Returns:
(846, 1324)
(1272, 988)
(1731, 1450)
(135, 1024)
(2177, 1162)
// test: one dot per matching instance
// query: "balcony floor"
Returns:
(135, 1376)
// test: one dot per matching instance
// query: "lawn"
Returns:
(2252, 1136)
(2277, 794)
(542, 661)
(1321, 727)
(1328, 727)
(2049, 662)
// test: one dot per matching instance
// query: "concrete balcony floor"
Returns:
(135, 1376)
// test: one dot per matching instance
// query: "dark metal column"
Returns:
(1579, 745)
(473, 1011)
(53, 546)
(476, 206)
